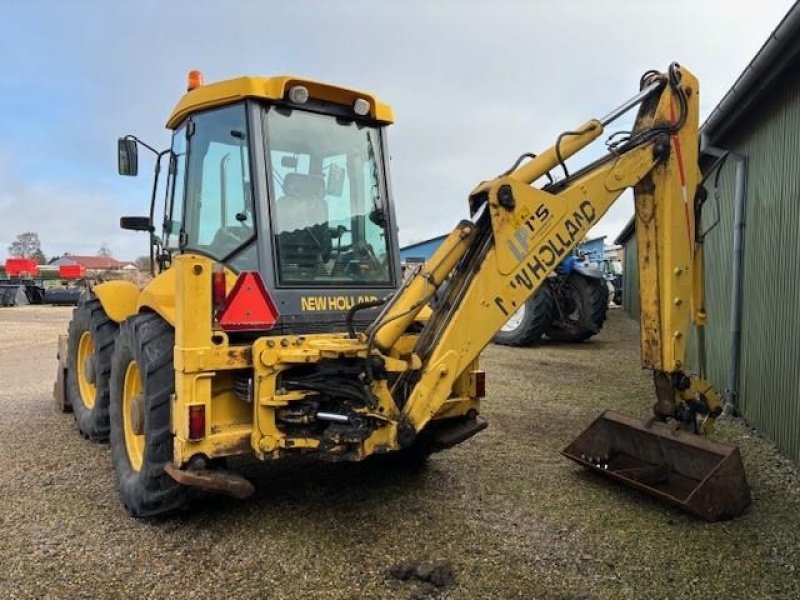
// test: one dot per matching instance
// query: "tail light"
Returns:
(248, 307)
(197, 422)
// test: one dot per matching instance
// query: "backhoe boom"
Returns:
(529, 231)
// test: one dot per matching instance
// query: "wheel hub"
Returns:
(137, 414)
(86, 370)
(89, 369)
(133, 415)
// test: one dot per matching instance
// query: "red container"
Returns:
(71, 271)
(21, 267)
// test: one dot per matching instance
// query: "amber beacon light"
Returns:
(194, 80)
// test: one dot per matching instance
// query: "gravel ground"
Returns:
(510, 514)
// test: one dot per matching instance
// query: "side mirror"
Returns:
(127, 157)
(136, 224)
(335, 185)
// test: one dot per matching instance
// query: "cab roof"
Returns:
(274, 89)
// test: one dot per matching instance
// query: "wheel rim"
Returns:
(85, 366)
(514, 320)
(131, 401)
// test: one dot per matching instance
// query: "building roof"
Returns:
(273, 89)
(594, 239)
(94, 262)
(780, 50)
(438, 238)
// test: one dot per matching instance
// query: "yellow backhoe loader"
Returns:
(278, 324)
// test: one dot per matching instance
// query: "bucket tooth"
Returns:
(703, 477)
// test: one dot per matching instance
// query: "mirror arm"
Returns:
(143, 144)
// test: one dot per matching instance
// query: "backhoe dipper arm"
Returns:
(522, 233)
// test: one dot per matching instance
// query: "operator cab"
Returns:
(285, 177)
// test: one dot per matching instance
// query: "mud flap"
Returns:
(60, 386)
(686, 470)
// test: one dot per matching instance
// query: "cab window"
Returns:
(329, 221)
(173, 222)
(219, 215)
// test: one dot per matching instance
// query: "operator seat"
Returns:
(304, 238)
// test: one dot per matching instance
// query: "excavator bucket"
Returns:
(686, 470)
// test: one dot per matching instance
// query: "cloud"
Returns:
(473, 83)
(68, 218)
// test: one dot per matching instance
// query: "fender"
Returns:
(159, 296)
(118, 298)
(123, 299)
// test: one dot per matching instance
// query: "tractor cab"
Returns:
(287, 178)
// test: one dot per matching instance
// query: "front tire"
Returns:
(142, 384)
(527, 325)
(91, 346)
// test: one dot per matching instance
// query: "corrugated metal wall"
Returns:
(770, 377)
(630, 279)
(718, 248)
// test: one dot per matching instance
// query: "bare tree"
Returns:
(104, 250)
(27, 245)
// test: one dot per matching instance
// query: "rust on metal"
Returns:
(703, 477)
(231, 447)
(665, 395)
(217, 481)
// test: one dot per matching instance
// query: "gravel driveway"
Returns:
(511, 515)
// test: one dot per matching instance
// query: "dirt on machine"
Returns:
(277, 323)
(691, 472)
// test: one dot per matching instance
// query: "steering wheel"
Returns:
(324, 251)
(228, 238)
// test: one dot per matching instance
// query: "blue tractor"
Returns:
(570, 307)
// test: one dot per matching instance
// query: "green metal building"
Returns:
(752, 255)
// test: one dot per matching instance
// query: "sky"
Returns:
(473, 84)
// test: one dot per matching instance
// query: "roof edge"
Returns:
(627, 232)
(751, 81)
(422, 242)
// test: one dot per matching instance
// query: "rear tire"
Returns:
(584, 304)
(91, 345)
(144, 351)
(528, 324)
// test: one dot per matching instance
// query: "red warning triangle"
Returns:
(249, 307)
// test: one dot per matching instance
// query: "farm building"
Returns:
(752, 256)
(94, 265)
(420, 251)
